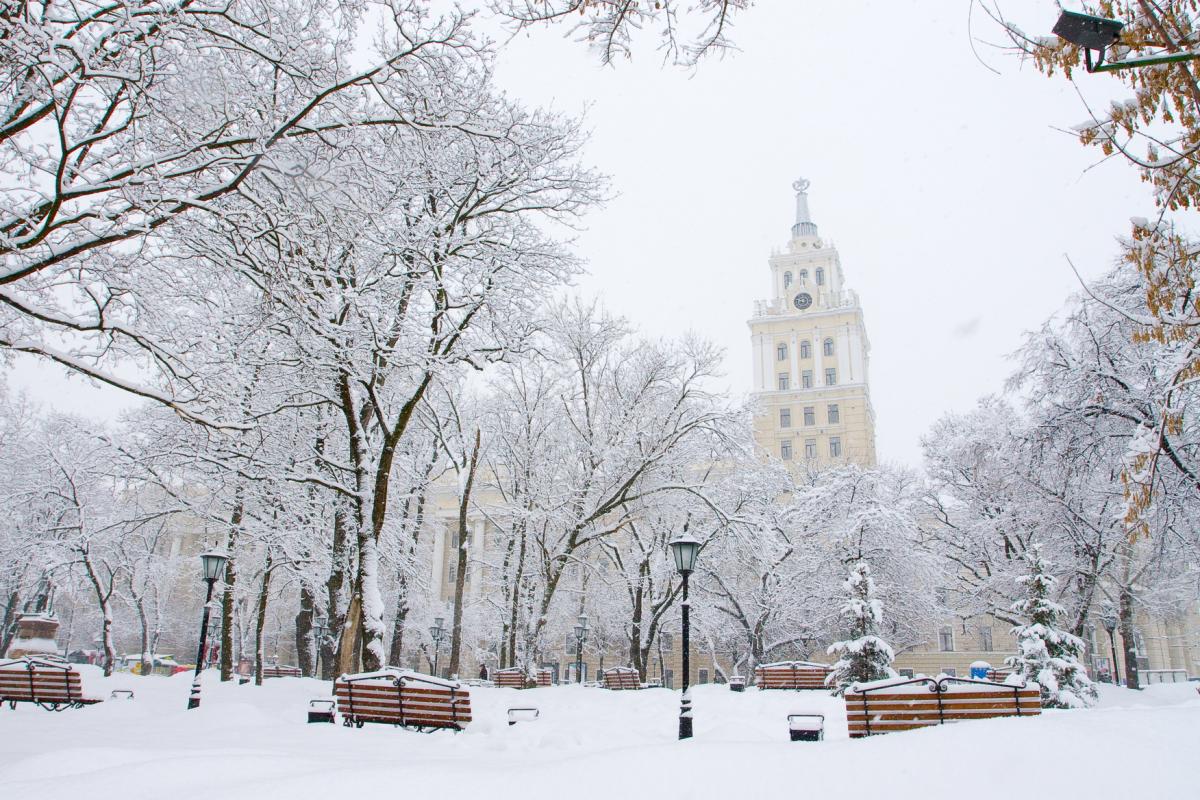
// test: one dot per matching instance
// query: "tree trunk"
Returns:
(304, 632)
(1128, 640)
(227, 597)
(8, 624)
(335, 596)
(147, 663)
(463, 550)
(260, 621)
(347, 651)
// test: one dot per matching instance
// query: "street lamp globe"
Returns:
(579, 633)
(213, 562)
(1109, 622)
(684, 548)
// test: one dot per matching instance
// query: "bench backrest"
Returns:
(35, 681)
(510, 678)
(277, 671)
(791, 675)
(622, 678)
(400, 697)
(922, 702)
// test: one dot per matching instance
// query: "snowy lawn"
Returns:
(253, 742)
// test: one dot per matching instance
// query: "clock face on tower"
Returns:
(802, 300)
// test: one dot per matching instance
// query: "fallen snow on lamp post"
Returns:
(685, 549)
(213, 565)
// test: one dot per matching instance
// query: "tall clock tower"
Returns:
(811, 356)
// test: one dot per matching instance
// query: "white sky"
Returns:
(951, 192)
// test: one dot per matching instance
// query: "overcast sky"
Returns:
(952, 193)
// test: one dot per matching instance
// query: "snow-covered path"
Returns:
(252, 742)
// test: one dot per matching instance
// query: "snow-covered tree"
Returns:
(1045, 653)
(864, 656)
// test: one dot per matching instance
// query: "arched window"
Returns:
(805, 349)
(803, 277)
(829, 347)
(820, 276)
(787, 279)
(781, 352)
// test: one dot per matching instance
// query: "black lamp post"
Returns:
(1109, 621)
(319, 629)
(685, 548)
(581, 632)
(213, 564)
(437, 633)
(1098, 33)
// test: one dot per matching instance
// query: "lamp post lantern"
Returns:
(685, 548)
(213, 565)
(1109, 621)
(437, 633)
(581, 632)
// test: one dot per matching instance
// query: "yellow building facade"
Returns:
(811, 356)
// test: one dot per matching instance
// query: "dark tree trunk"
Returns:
(335, 595)
(227, 597)
(463, 548)
(260, 621)
(304, 632)
(8, 624)
(1128, 640)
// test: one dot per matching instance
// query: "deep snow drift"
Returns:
(253, 742)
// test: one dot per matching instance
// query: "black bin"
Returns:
(806, 727)
(321, 711)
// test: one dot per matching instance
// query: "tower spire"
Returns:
(804, 225)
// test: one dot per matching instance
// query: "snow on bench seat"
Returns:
(791, 675)
(905, 704)
(621, 678)
(49, 684)
(402, 697)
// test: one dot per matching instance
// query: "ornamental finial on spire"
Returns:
(804, 226)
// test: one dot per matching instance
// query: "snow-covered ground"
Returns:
(253, 742)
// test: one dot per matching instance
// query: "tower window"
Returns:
(803, 277)
(834, 415)
(820, 273)
(829, 347)
(835, 446)
(805, 349)
(810, 448)
(806, 379)
(787, 279)
(785, 451)
(785, 418)
(783, 381)
(781, 352)
(830, 376)
(809, 416)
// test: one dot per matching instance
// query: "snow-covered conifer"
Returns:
(864, 656)
(1044, 653)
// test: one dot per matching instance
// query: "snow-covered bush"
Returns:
(864, 657)
(1046, 654)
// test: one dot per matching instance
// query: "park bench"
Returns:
(905, 704)
(621, 678)
(47, 683)
(998, 675)
(517, 678)
(791, 675)
(402, 697)
(280, 671)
